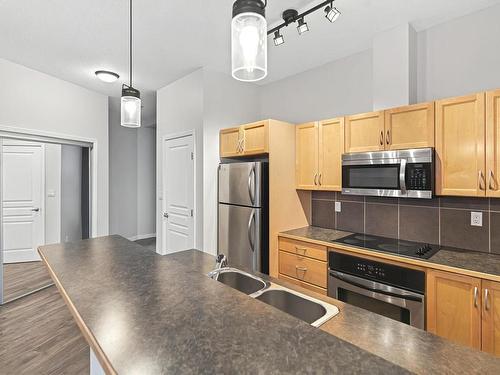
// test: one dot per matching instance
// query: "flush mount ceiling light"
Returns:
(278, 38)
(332, 13)
(107, 76)
(249, 40)
(131, 98)
(302, 27)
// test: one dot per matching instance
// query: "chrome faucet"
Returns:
(220, 262)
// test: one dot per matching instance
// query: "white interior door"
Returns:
(22, 200)
(178, 194)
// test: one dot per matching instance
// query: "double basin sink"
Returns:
(308, 309)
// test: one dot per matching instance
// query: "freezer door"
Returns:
(240, 183)
(239, 235)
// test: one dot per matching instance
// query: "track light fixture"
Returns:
(332, 13)
(278, 38)
(291, 16)
(302, 27)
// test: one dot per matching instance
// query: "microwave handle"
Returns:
(402, 176)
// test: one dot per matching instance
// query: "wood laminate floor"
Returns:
(21, 278)
(39, 336)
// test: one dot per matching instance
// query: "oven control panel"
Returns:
(401, 277)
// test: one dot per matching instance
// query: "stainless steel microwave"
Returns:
(401, 173)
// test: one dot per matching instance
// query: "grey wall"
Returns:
(122, 174)
(71, 193)
(146, 181)
(460, 56)
(37, 101)
(341, 87)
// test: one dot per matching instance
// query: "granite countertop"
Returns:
(467, 260)
(413, 349)
(150, 314)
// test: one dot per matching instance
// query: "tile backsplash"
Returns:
(445, 220)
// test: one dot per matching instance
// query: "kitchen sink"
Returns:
(292, 304)
(301, 306)
(239, 280)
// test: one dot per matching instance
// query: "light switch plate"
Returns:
(476, 219)
(338, 207)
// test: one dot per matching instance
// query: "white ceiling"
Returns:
(72, 39)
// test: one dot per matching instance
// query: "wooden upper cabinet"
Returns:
(249, 139)
(454, 307)
(330, 150)
(409, 127)
(256, 138)
(460, 148)
(306, 153)
(364, 132)
(229, 142)
(493, 143)
(491, 317)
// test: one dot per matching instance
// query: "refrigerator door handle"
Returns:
(250, 236)
(251, 191)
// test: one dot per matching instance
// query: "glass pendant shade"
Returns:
(131, 108)
(249, 47)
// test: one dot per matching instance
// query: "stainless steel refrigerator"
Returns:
(243, 234)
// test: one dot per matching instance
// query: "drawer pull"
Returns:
(303, 269)
(297, 249)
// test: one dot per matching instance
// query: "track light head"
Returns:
(302, 27)
(278, 38)
(331, 13)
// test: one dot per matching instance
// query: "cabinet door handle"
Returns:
(315, 179)
(486, 299)
(388, 137)
(475, 296)
(491, 180)
(319, 179)
(482, 182)
(381, 138)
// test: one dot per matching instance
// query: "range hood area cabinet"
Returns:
(245, 140)
(288, 208)
(393, 129)
(319, 149)
(468, 145)
(464, 309)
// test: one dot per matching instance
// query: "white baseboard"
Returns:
(141, 237)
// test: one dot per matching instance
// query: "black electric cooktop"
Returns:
(390, 245)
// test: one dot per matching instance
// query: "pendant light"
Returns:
(131, 98)
(249, 40)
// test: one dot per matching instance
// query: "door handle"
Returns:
(388, 137)
(165, 215)
(491, 180)
(475, 296)
(482, 181)
(486, 299)
(315, 179)
(249, 231)
(402, 176)
(251, 192)
(381, 138)
(35, 209)
(319, 179)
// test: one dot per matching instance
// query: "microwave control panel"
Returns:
(419, 176)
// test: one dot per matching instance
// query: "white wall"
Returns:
(52, 193)
(341, 87)
(33, 100)
(180, 109)
(122, 175)
(146, 181)
(71, 193)
(460, 56)
(227, 102)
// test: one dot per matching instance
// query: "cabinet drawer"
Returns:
(301, 268)
(301, 248)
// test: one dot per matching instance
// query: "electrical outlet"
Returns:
(338, 206)
(476, 219)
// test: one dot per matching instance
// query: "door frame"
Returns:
(164, 139)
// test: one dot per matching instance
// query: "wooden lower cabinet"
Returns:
(491, 317)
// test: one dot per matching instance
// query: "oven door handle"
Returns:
(375, 287)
